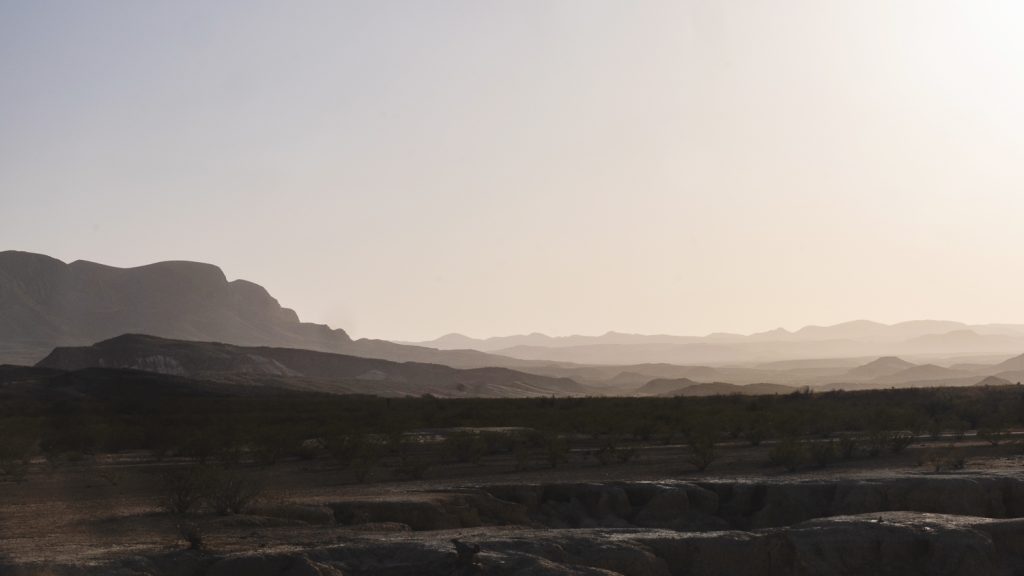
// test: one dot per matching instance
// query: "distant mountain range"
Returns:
(822, 374)
(857, 339)
(186, 319)
(687, 387)
(341, 374)
(854, 330)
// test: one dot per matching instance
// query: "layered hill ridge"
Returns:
(303, 369)
(1013, 364)
(923, 373)
(884, 366)
(687, 387)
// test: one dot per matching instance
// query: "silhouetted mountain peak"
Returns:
(884, 366)
(47, 303)
(993, 381)
(776, 332)
(889, 362)
(922, 372)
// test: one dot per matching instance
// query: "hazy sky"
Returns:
(406, 169)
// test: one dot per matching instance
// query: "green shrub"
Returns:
(788, 453)
(269, 445)
(703, 450)
(610, 452)
(849, 445)
(521, 454)
(644, 430)
(900, 441)
(755, 434)
(200, 446)
(959, 429)
(184, 488)
(822, 453)
(191, 533)
(994, 434)
(413, 463)
(366, 458)
(945, 459)
(231, 491)
(876, 441)
(498, 442)
(556, 450)
(358, 453)
(14, 469)
(310, 448)
(413, 467)
(17, 447)
(466, 447)
(223, 490)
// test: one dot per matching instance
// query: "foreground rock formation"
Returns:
(928, 525)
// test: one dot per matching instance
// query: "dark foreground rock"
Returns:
(897, 543)
(952, 525)
(686, 506)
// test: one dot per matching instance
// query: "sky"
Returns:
(405, 169)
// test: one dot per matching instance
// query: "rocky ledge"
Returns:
(934, 525)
